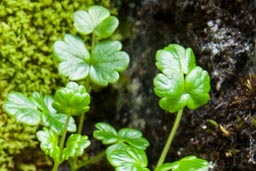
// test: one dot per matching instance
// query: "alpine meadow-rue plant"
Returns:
(98, 62)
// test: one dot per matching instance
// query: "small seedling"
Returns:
(180, 84)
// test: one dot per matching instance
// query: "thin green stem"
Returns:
(92, 160)
(81, 123)
(93, 40)
(170, 138)
(62, 142)
(64, 134)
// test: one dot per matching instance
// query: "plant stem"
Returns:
(62, 142)
(64, 134)
(92, 160)
(93, 41)
(81, 123)
(170, 138)
(55, 166)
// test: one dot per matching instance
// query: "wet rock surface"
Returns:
(222, 35)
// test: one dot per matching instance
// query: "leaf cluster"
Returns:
(181, 83)
(53, 113)
(127, 147)
(100, 61)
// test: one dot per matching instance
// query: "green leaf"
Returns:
(102, 66)
(185, 57)
(188, 163)
(107, 60)
(197, 86)
(75, 146)
(73, 56)
(22, 108)
(106, 133)
(43, 103)
(72, 99)
(49, 116)
(56, 121)
(49, 143)
(124, 158)
(97, 19)
(107, 27)
(133, 137)
(181, 82)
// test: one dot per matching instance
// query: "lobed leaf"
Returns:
(75, 146)
(188, 163)
(108, 135)
(49, 116)
(102, 67)
(181, 82)
(56, 121)
(22, 108)
(133, 137)
(97, 20)
(107, 60)
(49, 143)
(73, 56)
(43, 103)
(124, 158)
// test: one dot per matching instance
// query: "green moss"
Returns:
(28, 30)
(13, 138)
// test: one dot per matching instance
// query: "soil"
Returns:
(222, 35)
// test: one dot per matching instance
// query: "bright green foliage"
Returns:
(188, 163)
(28, 29)
(98, 62)
(102, 66)
(127, 147)
(36, 110)
(181, 82)
(72, 99)
(75, 146)
(108, 135)
(22, 108)
(124, 157)
(49, 143)
(97, 19)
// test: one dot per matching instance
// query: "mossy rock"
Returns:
(28, 31)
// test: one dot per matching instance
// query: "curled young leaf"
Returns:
(72, 99)
(181, 82)
(188, 163)
(97, 19)
(22, 108)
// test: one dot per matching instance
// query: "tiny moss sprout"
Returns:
(97, 61)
